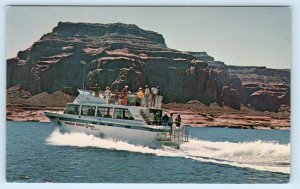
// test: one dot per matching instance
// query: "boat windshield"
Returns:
(72, 109)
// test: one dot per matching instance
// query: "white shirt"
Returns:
(147, 91)
(154, 90)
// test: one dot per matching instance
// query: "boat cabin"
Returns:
(151, 116)
(104, 111)
(88, 105)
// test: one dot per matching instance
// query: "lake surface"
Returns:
(37, 152)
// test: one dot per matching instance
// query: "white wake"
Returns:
(258, 155)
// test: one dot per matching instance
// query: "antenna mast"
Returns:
(83, 62)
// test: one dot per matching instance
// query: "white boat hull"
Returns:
(133, 136)
(137, 135)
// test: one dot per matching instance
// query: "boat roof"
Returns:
(108, 105)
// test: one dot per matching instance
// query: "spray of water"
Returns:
(258, 155)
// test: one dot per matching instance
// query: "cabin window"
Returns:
(72, 109)
(88, 110)
(123, 114)
(128, 115)
(104, 112)
(118, 114)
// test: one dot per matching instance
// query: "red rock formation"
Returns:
(120, 54)
(262, 88)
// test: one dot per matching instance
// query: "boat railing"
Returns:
(177, 134)
(185, 134)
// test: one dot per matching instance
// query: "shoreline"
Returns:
(200, 115)
(29, 113)
(206, 117)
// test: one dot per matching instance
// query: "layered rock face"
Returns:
(120, 54)
(263, 88)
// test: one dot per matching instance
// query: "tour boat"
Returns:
(131, 123)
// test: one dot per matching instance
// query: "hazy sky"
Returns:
(246, 36)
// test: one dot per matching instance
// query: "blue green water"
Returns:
(36, 152)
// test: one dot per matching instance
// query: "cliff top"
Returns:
(70, 29)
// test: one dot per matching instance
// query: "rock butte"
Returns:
(124, 54)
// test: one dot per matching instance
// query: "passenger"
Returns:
(76, 110)
(153, 96)
(112, 98)
(157, 119)
(130, 99)
(99, 114)
(125, 95)
(151, 118)
(97, 90)
(140, 95)
(178, 121)
(172, 126)
(165, 119)
(107, 94)
(156, 97)
(170, 122)
(90, 112)
(157, 91)
(134, 100)
(93, 111)
(116, 98)
(147, 95)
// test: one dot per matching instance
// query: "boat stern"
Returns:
(174, 138)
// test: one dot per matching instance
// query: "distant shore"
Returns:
(216, 116)
(29, 113)
(197, 115)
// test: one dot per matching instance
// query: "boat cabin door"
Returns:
(155, 116)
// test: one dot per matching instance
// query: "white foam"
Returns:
(258, 155)
(85, 140)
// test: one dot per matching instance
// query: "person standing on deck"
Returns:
(157, 119)
(147, 95)
(97, 90)
(107, 94)
(116, 97)
(140, 95)
(124, 94)
(178, 121)
(170, 122)
(165, 119)
(153, 92)
(157, 97)
(151, 119)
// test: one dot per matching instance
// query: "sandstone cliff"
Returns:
(120, 54)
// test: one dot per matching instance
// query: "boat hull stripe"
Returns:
(109, 124)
